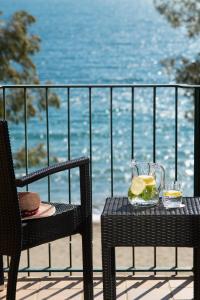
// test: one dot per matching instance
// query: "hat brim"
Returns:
(45, 210)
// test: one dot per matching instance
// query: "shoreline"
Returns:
(96, 219)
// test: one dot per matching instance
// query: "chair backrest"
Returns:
(10, 218)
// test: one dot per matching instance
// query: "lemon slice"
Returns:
(149, 180)
(172, 193)
(137, 186)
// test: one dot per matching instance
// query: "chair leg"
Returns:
(12, 276)
(1, 274)
(87, 260)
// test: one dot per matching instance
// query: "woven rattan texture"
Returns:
(17, 235)
(66, 220)
(10, 220)
(124, 225)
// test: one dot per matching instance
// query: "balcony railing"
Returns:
(112, 124)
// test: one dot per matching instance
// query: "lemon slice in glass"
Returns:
(137, 186)
(172, 193)
(149, 180)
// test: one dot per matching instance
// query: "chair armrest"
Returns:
(85, 185)
(32, 177)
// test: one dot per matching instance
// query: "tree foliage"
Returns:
(17, 49)
(36, 156)
(185, 14)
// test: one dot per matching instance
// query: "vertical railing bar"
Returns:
(132, 150)
(25, 131)
(176, 132)
(176, 156)
(69, 171)
(132, 121)
(47, 140)
(26, 157)
(69, 139)
(7, 261)
(133, 258)
(154, 124)
(111, 138)
(176, 259)
(196, 142)
(48, 162)
(4, 103)
(4, 117)
(154, 156)
(90, 132)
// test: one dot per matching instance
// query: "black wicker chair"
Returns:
(17, 235)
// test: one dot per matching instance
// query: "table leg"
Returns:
(196, 273)
(109, 278)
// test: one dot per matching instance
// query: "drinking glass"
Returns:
(172, 195)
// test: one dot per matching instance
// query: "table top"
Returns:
(120, 206)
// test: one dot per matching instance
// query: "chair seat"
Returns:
(66, 221)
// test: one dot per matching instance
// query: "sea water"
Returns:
(106, 42)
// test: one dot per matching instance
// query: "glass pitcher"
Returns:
(146, 184)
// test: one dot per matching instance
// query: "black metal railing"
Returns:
(113, 97)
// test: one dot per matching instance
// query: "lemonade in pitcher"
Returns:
(146, 184)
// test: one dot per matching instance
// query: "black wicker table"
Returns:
(124, 225)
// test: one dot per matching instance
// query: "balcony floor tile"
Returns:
(133, 288)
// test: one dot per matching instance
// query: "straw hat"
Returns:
(32, 208)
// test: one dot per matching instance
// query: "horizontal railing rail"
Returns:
(135, 112)
(99, 270)
(97, 85)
